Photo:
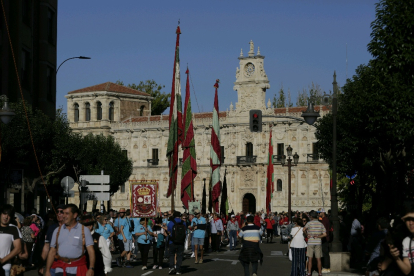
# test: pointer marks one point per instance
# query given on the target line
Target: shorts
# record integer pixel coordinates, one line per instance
(128, 245)
(198, 241)
(317, 249)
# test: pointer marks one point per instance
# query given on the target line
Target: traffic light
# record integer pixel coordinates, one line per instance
(255, 119)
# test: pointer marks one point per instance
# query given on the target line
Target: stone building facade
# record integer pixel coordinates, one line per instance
(245, 153)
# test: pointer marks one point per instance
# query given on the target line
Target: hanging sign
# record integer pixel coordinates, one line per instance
(144, 198)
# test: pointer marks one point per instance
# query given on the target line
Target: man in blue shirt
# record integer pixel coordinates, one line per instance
(175, 248)
(198, 224)
(125, 239)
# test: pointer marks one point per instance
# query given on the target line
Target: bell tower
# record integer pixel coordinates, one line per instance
(251, 81)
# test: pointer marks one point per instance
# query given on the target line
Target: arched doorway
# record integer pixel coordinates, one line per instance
(249, 203)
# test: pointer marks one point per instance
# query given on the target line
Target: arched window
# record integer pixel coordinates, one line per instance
(111, 111)
(87, 112)
(279, 185)
(76, 112)
(141, 110)
(99, 111)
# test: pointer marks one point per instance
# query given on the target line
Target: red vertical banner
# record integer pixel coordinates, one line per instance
(144, 198)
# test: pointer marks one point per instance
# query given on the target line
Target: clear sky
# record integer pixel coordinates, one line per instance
(303, 41)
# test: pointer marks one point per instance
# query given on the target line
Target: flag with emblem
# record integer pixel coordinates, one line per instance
(189, 168)
(175, 120)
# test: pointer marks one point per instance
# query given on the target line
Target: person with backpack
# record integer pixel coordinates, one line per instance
(178, 231)
(103, 258)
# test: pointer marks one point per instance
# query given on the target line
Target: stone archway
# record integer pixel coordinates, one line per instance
(249, 203)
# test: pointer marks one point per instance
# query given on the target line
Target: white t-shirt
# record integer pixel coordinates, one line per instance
(297, 241)
(406, 249)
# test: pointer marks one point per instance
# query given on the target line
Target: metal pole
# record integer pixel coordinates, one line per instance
(172, 199)
(67, 191)
(102, 202)
(336, 243)
(289, 190)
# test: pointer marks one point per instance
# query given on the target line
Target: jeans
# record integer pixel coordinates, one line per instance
(157, 254)
(326, 259)
(246, 266)
(232, 239)
(275, 230)
(215, 242)
(144, 249)
(167, 243)
(176, 249)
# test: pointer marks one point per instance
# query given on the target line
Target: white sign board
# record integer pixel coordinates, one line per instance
(99, 188)
(95, 179)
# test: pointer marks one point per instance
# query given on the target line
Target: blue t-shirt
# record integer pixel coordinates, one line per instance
(143, 239)
(122, 222)
(200, 234)
(136, 222)
(104, 231)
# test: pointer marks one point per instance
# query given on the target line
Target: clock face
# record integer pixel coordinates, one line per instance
(249, 69)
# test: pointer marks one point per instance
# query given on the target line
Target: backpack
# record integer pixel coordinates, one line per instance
(178, 232)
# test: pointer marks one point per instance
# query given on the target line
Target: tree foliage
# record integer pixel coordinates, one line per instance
(161, 99)
(60, 151)
(313, 92)
(375, 121)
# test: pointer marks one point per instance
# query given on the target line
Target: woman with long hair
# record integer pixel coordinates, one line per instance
(298, 248)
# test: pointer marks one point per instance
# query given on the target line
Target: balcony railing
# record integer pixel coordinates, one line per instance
(277, 159)
(245, 160)
(152, 162)
(312, 157)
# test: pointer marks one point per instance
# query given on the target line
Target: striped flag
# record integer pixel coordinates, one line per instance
(215, 153)
(175, 120)
(270, 176)
(189, 169)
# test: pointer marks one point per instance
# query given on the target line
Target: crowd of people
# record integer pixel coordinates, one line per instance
(68, 243)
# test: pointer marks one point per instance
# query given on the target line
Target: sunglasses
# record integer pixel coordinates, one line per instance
(60, 211)
(105, 219)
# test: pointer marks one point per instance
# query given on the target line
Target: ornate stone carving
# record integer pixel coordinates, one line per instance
(293, 138)
(303, 175)
(237, 72)
(144, 145)
(135, 146)
(304, 138)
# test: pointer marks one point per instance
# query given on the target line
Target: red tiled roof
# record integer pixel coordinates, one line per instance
(110, 87)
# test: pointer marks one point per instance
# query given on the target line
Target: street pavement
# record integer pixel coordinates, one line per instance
(224, 262)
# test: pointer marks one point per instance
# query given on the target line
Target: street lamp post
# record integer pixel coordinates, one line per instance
(309, 114)
(79, 57)
(290, 165)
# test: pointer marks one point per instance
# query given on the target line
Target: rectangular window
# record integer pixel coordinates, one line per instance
(315, 153)
(51, 27)
(279, 185)
(49, 84)
(222, 154)
(123, 188)
(249, 149)
(154, 156)
(26, 66)
(280, 151)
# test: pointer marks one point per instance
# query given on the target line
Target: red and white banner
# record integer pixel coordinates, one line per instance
(144, 198)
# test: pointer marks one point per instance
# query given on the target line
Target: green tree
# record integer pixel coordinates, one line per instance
(161, 99)
(302, 99)
(375, 123)
(280, 100)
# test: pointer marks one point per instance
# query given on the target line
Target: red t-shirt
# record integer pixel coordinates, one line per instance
(269, 224)
(257, 221)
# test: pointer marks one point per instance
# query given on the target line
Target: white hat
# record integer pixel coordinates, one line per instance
(232, 216)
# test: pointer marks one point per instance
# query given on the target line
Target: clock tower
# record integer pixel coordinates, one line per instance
(251, 82)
